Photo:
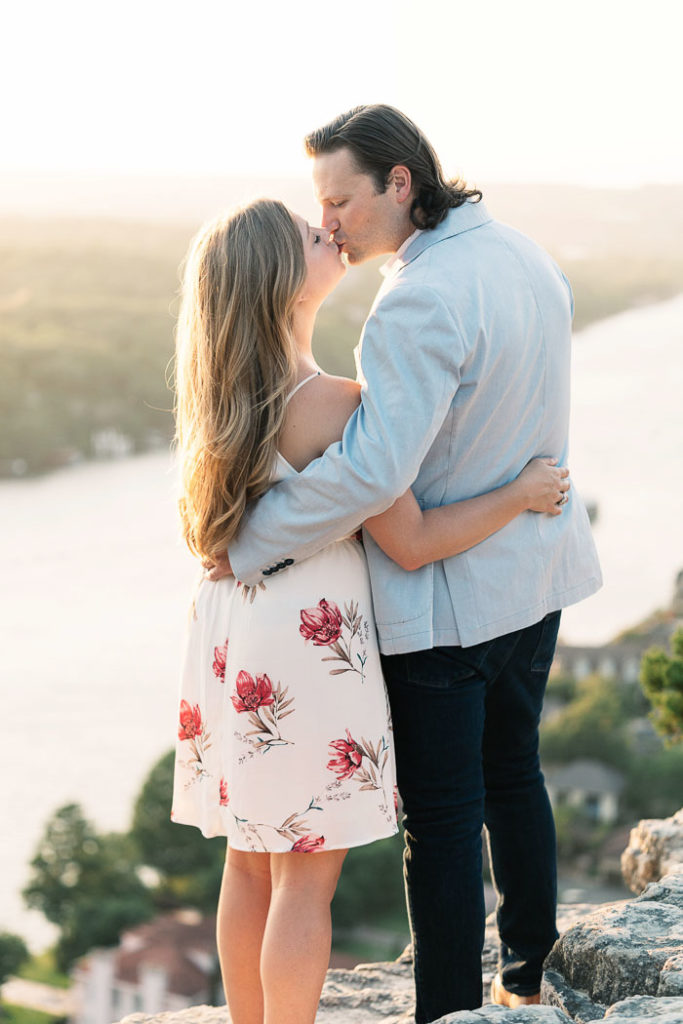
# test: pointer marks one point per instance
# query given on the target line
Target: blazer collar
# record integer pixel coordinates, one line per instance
(462, 218)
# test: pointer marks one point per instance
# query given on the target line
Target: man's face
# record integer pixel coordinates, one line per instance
(363, 222)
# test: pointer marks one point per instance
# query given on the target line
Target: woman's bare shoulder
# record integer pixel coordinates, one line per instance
(316, 417)
(332, 403)
(339, 391)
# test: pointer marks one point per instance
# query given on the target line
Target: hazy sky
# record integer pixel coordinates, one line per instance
(583, 91)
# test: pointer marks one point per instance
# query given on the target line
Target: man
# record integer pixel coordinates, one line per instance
(464, 363)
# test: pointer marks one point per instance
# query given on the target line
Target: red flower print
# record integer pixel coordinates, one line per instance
(252, 694)
(322, 624)
(223, 790)
(190, 721)
(308, 844)
(396, 799)
(219, 656)
(348, 757)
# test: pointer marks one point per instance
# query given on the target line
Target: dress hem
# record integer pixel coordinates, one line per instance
(245, 849)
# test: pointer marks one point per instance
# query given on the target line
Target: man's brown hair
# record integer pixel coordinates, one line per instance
(381, 137)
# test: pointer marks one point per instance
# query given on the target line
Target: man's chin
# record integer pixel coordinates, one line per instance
(352, 258)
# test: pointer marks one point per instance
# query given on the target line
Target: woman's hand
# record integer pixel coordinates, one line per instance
(219, 568)
(544, 486)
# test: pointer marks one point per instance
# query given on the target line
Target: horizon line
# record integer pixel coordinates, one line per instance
(19, 174)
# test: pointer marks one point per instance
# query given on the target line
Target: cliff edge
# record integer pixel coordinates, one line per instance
(619, 962)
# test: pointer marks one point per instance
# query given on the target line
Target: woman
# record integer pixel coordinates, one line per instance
(284, 739)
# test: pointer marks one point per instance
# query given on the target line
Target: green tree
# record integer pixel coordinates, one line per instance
(654, 784)
(593, 725)
(370, 888)
(577, 835)
(85, 883)
(561, 687)
(190, 866)
(661, 677)
(13, 953)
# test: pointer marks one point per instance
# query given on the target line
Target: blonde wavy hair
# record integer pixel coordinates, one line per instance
(234, 365)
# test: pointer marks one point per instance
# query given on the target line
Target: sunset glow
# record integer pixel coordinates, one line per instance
(532, 91)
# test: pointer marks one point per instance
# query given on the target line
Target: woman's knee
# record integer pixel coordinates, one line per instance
(312, 874)
(252, 866)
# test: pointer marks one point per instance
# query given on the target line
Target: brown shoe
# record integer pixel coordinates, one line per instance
(501, 996)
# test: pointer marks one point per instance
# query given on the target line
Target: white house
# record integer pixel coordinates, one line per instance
(621, 658)
(587, 785)
(166, 964)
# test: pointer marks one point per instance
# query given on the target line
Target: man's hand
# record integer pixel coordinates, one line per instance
(218, 568)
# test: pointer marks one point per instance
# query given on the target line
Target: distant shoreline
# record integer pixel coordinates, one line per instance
(66, 457)
(188, 199)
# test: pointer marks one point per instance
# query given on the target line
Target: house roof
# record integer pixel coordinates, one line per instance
(656, 630)
(589, 776)
(182, 944)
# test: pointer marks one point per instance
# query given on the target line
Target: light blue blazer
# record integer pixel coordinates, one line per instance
(464, 363)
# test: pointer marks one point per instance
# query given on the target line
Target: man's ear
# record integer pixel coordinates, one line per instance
(401, 182)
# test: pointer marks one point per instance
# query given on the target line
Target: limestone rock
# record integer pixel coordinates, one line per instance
(667, 890)
(655, 849)
(195, 1015)
(370, 993)
(576, 1004)
(671, 978)
(640, 1009)
(626, 949)
(502, 1015)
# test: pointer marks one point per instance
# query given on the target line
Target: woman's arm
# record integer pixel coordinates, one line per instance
(413, 537)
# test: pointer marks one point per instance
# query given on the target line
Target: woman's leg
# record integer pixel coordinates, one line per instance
(242, 912)
(296, 944)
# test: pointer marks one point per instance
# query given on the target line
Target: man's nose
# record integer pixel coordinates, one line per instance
(330, 221)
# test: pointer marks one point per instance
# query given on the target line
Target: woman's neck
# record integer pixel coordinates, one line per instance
(302, 328)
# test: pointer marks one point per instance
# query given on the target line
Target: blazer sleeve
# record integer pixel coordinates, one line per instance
(410, 358)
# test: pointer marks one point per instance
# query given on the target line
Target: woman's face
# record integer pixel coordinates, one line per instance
(324, 265)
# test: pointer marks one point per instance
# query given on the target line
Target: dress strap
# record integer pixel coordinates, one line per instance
(301, 384)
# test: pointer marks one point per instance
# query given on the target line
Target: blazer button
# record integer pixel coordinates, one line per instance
(266, 572)
(281, 565)
(289, 561)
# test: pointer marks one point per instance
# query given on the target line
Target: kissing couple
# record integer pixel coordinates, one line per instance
(325, 671)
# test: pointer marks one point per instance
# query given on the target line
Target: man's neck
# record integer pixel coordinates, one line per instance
(410, 230)
(387, 267)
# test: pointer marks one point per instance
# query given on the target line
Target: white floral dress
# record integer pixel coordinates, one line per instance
(284, 738)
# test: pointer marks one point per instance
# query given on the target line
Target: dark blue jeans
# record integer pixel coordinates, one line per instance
(466, 733)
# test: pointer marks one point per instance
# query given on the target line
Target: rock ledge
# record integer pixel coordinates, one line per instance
(620, 962)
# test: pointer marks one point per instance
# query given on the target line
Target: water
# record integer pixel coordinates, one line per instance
(96, 585)
(627, 453)
(95, 591)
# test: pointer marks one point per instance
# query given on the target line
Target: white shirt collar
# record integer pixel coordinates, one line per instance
(387, 267)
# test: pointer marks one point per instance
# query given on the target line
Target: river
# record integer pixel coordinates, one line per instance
(96, 584)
